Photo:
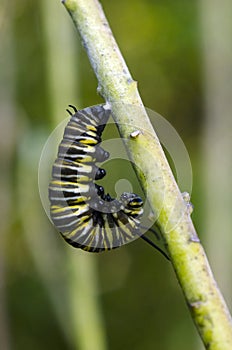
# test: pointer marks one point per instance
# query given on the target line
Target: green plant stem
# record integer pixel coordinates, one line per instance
(116, 85)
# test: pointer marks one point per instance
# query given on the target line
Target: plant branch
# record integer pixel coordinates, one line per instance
(116, 85)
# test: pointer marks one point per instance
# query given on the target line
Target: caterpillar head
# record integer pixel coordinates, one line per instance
(133, 204)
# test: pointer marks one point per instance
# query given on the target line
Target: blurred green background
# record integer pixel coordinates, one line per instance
(51, 295)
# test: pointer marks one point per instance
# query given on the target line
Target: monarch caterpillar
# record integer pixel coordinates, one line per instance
(86, 217)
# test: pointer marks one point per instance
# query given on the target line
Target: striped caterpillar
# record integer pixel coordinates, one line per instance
(86, 217)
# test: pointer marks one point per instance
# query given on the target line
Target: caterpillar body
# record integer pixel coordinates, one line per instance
(86, 217)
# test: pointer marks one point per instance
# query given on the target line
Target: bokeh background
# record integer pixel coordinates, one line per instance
(51, 295)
